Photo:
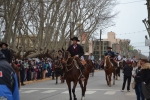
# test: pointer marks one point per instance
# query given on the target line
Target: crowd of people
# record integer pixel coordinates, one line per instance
(31, 69)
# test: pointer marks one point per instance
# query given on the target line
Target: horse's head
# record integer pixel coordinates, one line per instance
(65, 56)
(106, 61)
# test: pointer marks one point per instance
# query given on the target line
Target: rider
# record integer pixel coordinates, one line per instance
(118, 57)
(112, 56)
(91, 57)
(77, 52)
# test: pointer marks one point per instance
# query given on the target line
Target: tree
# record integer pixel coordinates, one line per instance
(36, 28)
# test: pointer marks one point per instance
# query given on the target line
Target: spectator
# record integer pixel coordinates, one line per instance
(124, 59)
(6, 52)
(47, 68)
(44, 68)
(22, 71)
(26, 66)
(39, 71)
(127, 75)
(138, 86)
(145, 78)
(8, 81)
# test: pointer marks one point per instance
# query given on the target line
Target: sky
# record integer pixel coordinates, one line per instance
(129, 25)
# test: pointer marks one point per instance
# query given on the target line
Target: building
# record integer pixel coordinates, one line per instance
(96, 48)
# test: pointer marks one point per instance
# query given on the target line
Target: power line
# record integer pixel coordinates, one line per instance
(132, 2)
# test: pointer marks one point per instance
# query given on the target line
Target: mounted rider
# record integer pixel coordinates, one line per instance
(77, 52)
(111, 54)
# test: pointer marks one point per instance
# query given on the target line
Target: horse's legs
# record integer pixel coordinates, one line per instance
(109, 76)
(73, 90)
(81, 85)
(56, 79)
(85, 83)
(106, 78)
(69, 88)
(114, 74)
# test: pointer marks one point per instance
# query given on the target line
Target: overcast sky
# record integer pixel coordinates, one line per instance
(129, 20)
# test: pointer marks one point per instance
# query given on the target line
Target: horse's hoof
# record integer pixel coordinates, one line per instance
(82, 98)
(75, 98)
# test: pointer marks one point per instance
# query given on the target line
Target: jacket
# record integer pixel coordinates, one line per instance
(127, 70)
(7, 54)
(8, 80)
(137, 78)
(77, 51)
(110, 53)
(145, 73)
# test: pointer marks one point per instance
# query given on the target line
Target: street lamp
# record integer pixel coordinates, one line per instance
(100, 55)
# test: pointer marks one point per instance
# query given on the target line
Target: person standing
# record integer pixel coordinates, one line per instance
(6, 52)
(145, 78)
(127, 75)
(22, 71)
(8, 81)
(138, 85)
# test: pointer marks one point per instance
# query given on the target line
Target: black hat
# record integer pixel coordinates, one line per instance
(109, 47)
(3, 43)
(75, 38)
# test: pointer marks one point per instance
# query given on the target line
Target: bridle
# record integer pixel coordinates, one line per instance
(109, 62)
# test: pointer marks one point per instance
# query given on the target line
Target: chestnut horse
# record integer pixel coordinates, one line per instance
(73, 73)
(109, 69)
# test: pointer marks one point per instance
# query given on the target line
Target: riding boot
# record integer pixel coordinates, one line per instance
(82, 73)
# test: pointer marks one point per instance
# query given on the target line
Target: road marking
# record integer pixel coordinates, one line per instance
(90, 92)
(130, 93)
(43, 88)
(67, 92)
(110, 92)
(49, 91)
(30, 91)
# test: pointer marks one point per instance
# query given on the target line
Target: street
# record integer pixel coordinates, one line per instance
(96, 90)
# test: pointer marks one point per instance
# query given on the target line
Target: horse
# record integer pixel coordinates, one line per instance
(73, 74)
(17, 71)
(109, 69)
(59, 71)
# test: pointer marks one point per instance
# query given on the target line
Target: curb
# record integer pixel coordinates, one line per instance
(40, 80)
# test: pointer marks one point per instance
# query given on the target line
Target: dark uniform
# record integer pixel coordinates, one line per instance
(6, 52)
(112, 56)
(77, 50)
(8, 81)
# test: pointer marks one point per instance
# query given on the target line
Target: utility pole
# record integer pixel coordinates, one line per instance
(100, 45)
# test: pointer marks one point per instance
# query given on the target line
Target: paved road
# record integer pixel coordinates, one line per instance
(96, 90)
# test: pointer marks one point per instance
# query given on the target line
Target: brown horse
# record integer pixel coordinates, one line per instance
(16, 69)
(73, 73)
(109, 69)
(59, 70)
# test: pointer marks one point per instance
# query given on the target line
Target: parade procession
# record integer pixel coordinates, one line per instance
(74, 50)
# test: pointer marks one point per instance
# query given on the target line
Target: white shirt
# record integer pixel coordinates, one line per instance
(119, 57)
(91, 58)
(124, 59)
